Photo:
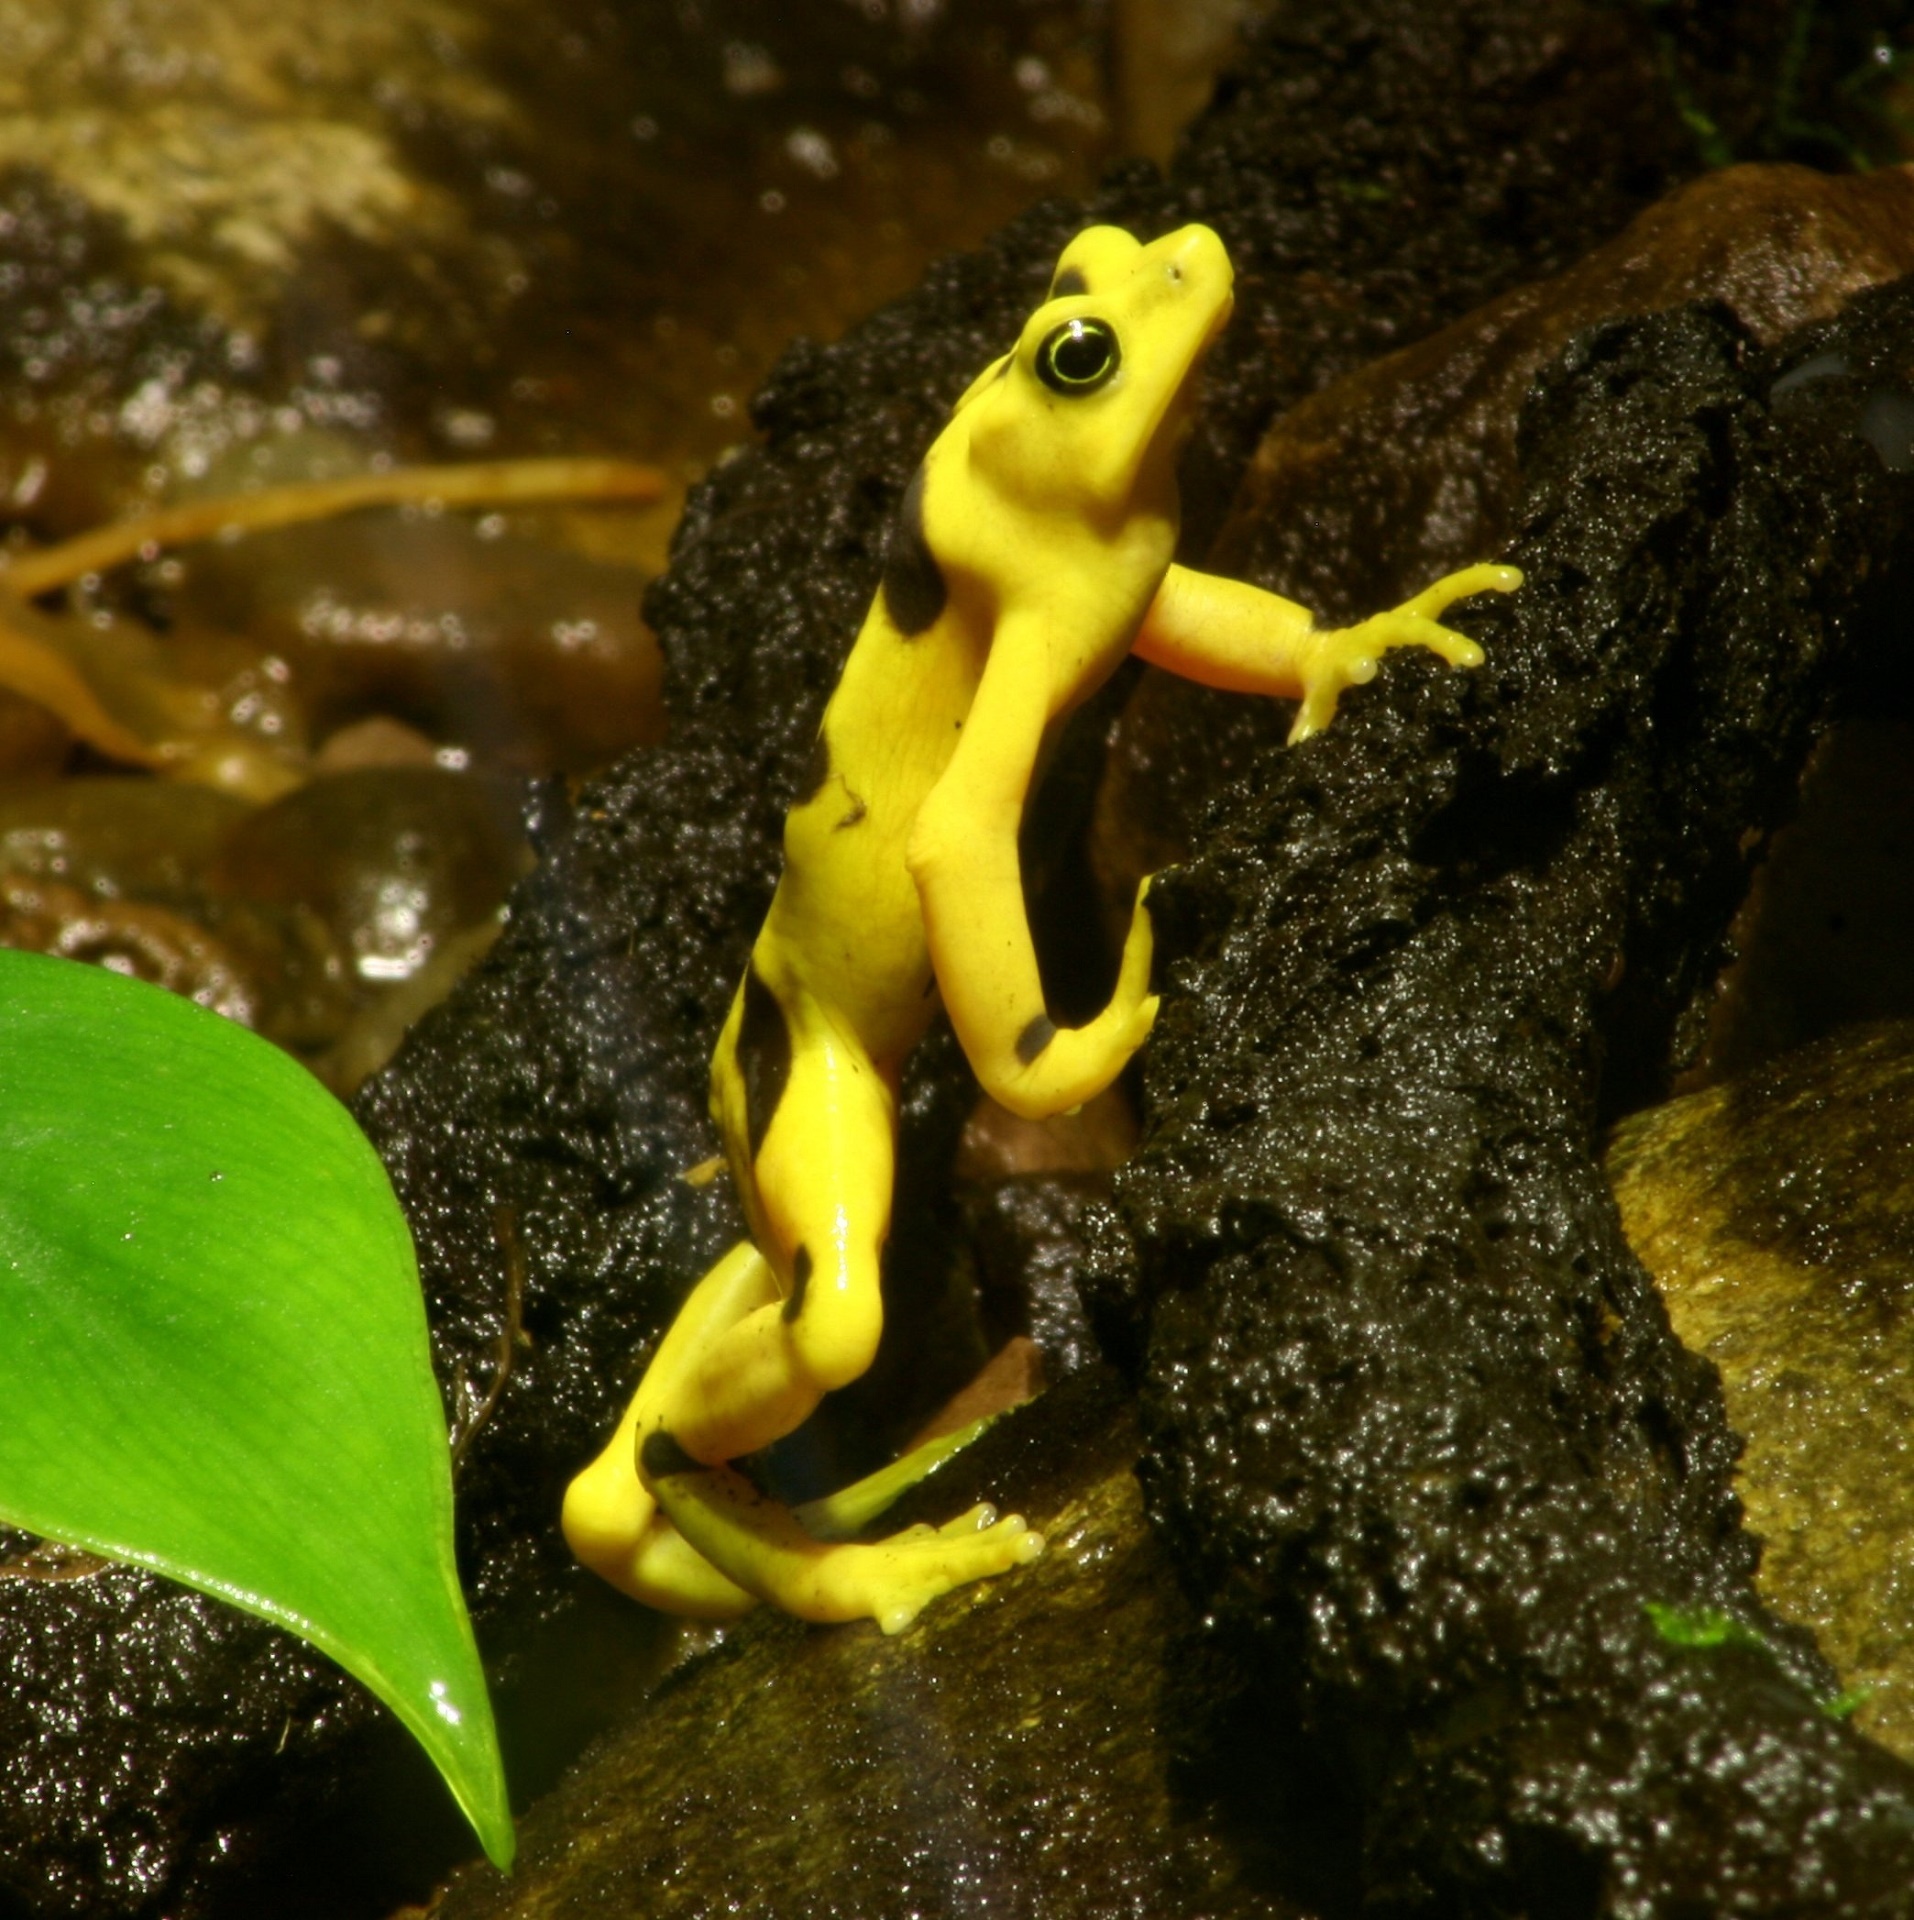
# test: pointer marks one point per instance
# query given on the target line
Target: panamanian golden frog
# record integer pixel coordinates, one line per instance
(1031, 552)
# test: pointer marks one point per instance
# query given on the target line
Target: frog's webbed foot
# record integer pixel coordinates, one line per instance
(1347, 656)
(765, 1548)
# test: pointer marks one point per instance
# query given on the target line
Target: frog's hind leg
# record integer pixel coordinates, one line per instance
(817, 1185)
(845, 1514)
(611, 1521)
(767, 1548)
(821, 1200)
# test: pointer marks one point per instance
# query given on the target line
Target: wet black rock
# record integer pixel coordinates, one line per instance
(119, 1774)
(1029, 1239)
(1414, 1415)
(1382, 481)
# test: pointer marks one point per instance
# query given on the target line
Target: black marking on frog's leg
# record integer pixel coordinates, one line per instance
(1069, 281)
(914, 589)
(858, 811)
(1035, 1037)
(764, 1057)
(661, 1457)
(800, 1284)
(817, 770)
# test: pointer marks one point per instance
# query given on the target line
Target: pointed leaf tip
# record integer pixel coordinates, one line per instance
(213, 1348)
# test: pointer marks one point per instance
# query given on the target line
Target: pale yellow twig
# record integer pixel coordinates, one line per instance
(475, 483)
(45, 676)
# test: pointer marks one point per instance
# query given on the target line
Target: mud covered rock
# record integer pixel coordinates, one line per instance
(1776, 1213)
(570, 1079)
(1414, 1417)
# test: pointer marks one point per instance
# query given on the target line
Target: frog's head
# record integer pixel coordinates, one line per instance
(1086, 413)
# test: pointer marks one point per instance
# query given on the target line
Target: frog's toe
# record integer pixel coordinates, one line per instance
(1456, 648)
(1406, 629)
(1489, 577)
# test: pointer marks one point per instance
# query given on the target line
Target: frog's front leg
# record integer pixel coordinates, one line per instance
(1226, 633)
(963, 855)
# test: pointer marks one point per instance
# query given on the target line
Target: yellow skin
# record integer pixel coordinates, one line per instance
(1032, 553)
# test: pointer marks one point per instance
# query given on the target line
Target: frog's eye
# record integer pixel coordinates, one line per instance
(1078, 357)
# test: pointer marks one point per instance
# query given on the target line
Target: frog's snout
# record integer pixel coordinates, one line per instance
(1195, 261)
(1194, 279)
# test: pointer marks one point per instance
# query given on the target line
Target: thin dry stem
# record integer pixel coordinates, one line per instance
(478, 483)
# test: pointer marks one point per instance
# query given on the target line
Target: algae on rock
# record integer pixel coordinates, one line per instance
(1776, 1213)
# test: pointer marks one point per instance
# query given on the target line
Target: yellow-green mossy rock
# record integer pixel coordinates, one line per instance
(1777, 1213)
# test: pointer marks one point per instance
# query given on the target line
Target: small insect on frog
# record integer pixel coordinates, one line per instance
(1031, 553)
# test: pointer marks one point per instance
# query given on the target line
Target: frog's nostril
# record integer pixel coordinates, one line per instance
(1175, 272)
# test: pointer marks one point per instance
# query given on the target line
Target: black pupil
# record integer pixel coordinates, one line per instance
(1081, 353)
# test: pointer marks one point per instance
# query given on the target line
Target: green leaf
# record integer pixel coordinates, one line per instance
(213, 1352)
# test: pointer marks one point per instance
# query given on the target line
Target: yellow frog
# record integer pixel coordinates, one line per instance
(1031, 552)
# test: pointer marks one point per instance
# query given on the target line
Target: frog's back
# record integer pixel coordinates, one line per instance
(846, 927)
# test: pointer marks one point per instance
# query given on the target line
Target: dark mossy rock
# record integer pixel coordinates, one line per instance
(1776, 1213)
(1378, 170)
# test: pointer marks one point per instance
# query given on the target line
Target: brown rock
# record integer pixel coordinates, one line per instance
(116, 838)
(144, 942)
(518, 651)
(1431, 430)
(394, 860)
(1093, 1138)
(1015, 1751)
(376, 741)
(34, 743)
